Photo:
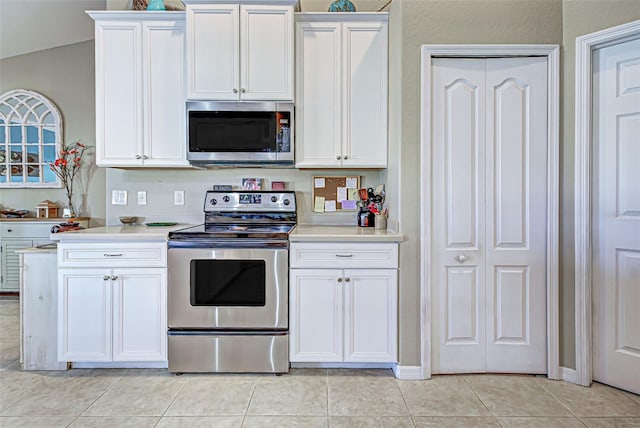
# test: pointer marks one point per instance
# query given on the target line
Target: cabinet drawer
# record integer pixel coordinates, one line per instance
(26, 230)
(343, 255)
(112, 255)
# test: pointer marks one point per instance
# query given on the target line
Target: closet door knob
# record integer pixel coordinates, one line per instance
(461, 258)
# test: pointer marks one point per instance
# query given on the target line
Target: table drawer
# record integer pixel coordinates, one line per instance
(26, 229)
(343, 255)
(112, 255)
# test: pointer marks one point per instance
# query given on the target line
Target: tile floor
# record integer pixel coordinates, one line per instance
(303, 398)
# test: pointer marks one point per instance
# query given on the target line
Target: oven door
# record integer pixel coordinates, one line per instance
(228, 288)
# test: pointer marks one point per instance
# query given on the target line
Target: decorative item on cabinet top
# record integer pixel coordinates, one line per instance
(342, 6)
(168, 5)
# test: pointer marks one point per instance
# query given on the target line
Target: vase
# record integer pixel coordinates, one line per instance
(156, 5)
(68, 211)
(342, 6)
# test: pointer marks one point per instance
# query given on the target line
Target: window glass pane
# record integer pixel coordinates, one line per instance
(3, 131)
(16, 174)
(32, 135)
(15, 154)
(49, 153)
(33, 173)
(48, 136)
(3, 154)
(15, 134)
(48, 175)
(3, 174)
(32, 154)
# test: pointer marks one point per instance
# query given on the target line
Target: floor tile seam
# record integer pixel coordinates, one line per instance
(326, 383)
(404, 399)
(112, 385)
(72, 422)
(253, 391)
(470, 385)
(550, 392)
(184, 384)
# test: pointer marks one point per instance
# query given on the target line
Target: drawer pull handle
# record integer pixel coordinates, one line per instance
(112, 255)
(344, 255)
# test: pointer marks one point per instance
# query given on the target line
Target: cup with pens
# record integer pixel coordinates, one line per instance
(371, 209)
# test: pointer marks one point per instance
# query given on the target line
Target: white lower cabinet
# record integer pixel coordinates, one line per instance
(111, 314)
(342, 315)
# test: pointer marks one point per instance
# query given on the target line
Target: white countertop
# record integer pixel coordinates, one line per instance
(118, 233)
(317, 233)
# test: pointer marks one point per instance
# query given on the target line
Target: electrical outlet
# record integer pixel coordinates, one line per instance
(142, 198)
(178, 197)
(118, 197)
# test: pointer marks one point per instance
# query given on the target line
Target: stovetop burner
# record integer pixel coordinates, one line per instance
(243, 214)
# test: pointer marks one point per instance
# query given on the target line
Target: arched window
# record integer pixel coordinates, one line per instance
(30, 136)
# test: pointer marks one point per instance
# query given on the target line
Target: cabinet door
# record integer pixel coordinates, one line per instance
(213, 52)
(318, 106)
(266, 52)
(315, 319)
(139, 315)
(84, 315)
(10, 263)
(365, 95)
(164, 122)
(370, 320)
(118, 93)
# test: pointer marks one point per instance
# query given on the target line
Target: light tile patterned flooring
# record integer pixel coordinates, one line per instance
(303, 398)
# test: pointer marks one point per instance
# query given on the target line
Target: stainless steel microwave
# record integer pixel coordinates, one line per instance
(240, 133)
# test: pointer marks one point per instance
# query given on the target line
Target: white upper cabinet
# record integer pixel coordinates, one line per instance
(341, 90)
(140, 96)
(239, 52)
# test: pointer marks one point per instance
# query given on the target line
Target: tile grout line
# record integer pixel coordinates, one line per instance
(246, 410)
(184, 384)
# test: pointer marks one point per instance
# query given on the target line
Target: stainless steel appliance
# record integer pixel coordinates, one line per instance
(228, 285)
(240, 133)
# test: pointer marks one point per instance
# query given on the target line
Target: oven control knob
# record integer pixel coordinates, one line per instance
(274, 199)
(286, 202)
(225, 198)
(213, 201)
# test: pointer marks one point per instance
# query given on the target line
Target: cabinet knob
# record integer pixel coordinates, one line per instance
(138, 157)
(461, 258)
(345, 157)
(145, 157)
(339, 279)
(235, 91)
(347, 280)
(243, 90)
(114, 277)
(338, 157)
(106, 277)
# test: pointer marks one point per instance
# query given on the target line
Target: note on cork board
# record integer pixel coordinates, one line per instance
(332, 193)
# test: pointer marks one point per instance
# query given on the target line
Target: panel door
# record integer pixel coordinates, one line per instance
(489, 165)
(370, 315)
(84, 315)
(139, 314)
(119, 104)
(364, 87)
(10, 263)
(213, 50)
(266, 52)
(616, 216)
(164, 95)
(315, 315)
(318, 95)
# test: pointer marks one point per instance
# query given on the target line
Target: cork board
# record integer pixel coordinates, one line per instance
(334, 193)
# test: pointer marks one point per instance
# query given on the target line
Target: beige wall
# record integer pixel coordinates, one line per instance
(66, 76)
(580, 17)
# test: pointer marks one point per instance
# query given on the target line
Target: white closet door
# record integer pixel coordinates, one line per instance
(516, 209)
(458, 145)
(616, 216)
(489, 216)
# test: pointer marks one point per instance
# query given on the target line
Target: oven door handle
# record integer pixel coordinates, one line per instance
(222, 243)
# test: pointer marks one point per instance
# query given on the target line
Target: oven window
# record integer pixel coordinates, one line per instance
(228, 282)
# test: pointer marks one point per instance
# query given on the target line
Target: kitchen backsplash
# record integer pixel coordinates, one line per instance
(160, 185)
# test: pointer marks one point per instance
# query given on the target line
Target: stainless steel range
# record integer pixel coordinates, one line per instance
(228, 285)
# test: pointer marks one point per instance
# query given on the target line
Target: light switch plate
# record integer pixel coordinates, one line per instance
(178, 197)
(142, 198)
(118, 197)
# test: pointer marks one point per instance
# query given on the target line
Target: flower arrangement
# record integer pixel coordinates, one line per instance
(67, 166)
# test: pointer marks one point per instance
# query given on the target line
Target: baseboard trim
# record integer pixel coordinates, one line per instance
(408, 372)
(568, 375)
(309, 365)
(122, 365)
